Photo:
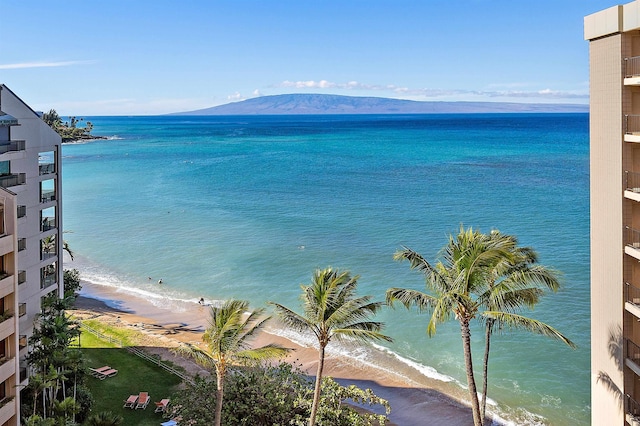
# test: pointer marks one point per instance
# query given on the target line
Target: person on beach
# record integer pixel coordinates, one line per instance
(160, 281)
(201, 301)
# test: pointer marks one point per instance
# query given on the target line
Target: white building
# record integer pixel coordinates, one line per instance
(30, 237)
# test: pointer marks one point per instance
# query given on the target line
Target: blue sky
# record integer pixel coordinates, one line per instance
(135, 57)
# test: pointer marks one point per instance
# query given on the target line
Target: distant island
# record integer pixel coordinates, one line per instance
(335, 104)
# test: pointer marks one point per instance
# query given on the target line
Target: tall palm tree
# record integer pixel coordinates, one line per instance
(515, 283)
(332, 310)
(453, 281)
(227, 340)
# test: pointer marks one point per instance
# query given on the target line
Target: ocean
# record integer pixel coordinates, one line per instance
(249, 206)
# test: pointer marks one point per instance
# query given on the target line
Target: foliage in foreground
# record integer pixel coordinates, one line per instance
(275, 395)
(332, 311)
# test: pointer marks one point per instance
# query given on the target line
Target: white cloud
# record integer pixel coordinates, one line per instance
(235, 97)
(24, 65)
(429, 93)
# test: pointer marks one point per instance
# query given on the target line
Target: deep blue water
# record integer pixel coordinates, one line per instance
(248, 207)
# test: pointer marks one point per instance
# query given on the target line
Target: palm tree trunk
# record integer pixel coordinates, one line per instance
(473, 393)
(316, 392)
(219, 393)
(485, 366)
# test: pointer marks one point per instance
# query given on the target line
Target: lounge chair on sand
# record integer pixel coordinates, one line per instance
(162, 405)
(95, 372)
(131, 401)
(143, 400)
(107, 373)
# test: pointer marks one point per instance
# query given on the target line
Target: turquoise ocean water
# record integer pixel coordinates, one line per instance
(248, 207)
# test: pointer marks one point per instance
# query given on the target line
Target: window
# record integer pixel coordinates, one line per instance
(5, 168)
(22, 309)
(46, 162)
(22, 341)
(47, 219)
(47, 190)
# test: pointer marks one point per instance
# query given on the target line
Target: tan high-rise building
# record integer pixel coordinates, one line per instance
(614, 53)
(30, 237)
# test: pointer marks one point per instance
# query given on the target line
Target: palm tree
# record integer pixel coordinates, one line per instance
(332, 310)
(104, 418)
(227, 337)
(453, 281)
(513, 284)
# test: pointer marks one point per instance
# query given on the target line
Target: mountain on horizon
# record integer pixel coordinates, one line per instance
(293, 104)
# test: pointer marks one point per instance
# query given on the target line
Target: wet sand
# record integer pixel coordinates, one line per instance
(414, 399)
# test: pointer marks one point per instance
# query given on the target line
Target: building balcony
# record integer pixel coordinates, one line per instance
(47, 169)
(632, 410)
(6, 244)
(632, 299)
(7, 409)
(7, 325)
(632, 128)
(48, 281)
(47, 223)
(632, 71)
(632, 242)
(6, 284)
(7, 368)
(11, 146)
(632, 356)
(48, 196)
(7, 181)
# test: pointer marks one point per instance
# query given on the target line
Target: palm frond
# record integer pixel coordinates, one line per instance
(409, 298)
(528, 324)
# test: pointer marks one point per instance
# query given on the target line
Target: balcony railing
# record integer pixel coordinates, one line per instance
(46, 169)
(48, 223)
(12, 146)
(632, 294)
(46, 254)
(47, 281)
(8, 181)
(632, 406)
(632, 124)
(48, 196)
(632, 67)
(632, 181)
(22, 211)
(632, 237)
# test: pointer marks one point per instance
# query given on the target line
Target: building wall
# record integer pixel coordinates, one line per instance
(39, 139)
(606, 124)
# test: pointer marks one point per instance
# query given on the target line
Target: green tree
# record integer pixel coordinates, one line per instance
(331, 310)
(72, 284)
(227, 340)
(479, 276)
(511, 285)
(275, 395)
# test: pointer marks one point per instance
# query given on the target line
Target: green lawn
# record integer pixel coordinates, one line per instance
(135, 375)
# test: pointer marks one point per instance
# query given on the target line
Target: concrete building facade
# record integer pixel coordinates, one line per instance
(30, 238)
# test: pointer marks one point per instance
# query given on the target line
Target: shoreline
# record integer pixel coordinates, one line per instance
(414, 398)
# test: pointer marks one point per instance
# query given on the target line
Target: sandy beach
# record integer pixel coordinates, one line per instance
(413, 402)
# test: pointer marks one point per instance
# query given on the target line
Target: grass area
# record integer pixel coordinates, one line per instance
(135, 375)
